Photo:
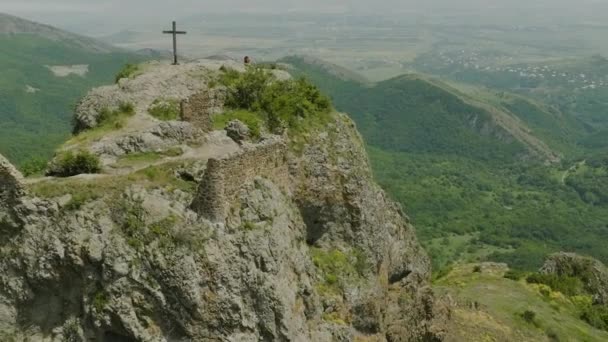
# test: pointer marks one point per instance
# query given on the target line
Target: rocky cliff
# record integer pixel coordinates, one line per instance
(591, 272)
(306, 247)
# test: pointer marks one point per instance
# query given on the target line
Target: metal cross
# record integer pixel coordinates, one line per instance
(174, 32)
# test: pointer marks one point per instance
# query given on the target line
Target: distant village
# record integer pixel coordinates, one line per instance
(495, 63)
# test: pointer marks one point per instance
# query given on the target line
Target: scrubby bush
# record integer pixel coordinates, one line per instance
(278, 103)
(127, 71)
(529, 316)
(33, 166)
(514, 275)
(246, 89)
(165, 110)
(115, 118)
(570, 286)
(596, 315)
(292, 101)
(71, 164)
(126, 108)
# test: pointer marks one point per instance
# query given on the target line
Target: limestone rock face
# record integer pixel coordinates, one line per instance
(158, 137)
(592, 272)
(11, 188)
(304, 247)
(156, 82)
(10, 181)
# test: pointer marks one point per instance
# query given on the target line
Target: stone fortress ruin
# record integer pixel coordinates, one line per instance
(199, 108)
(224, 177)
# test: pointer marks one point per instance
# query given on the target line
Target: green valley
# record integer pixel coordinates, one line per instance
(476, 169)
(44, 73)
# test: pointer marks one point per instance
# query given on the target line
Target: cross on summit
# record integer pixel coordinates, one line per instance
(174, 32)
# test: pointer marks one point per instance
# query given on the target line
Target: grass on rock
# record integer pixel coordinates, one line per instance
(165, 109)
(128, 71)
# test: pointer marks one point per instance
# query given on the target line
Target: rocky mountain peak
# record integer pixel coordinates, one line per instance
(181, 230)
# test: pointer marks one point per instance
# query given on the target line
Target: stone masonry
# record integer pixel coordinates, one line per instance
(224, 177)
(199, 108)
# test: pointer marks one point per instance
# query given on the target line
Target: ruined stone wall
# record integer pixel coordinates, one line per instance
(199, 108)
(10, 182)
(224, 177)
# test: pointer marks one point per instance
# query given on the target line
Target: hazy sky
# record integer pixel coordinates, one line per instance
(104, 15)
(184, 6)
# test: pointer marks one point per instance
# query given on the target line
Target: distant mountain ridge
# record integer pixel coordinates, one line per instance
(11, 25)
(413, 113)
(44, 72)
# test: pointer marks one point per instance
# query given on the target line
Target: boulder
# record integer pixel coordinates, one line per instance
(238, 131)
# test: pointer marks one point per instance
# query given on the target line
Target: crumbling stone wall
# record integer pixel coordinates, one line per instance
(224, 177)
(199, 108)
(10, 182)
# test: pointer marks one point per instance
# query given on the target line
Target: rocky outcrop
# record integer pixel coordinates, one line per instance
(591, 271)
(158, 137)
(155, 82)
(11, 189)
(286, 239)
(344, 209)
(10, 181)
(238, 131)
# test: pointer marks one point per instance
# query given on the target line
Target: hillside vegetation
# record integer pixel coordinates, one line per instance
(492, 306)
(36, 104)
(473, 190)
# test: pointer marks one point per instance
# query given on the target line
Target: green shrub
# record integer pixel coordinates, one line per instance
(126, 108)
(596, 315)
(100, 300)
(514, 275)
(246, 89)
(128, 71)
(291, 102)
(80, 198)
(567, 285)
(529, 316)
(34, 166)
(164, 226)
(338, 268)
(72, 164)
(288, 103)
(248, 225)
(166, 110)
(115, 118)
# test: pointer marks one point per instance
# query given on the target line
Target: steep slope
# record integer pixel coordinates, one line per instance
(469, 166)
(195, 233)
(573, 89)
(44, 72)
(414, 114)
(490, 307)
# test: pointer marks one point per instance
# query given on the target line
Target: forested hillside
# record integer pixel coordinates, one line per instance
(44, 73)
(472, 192)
